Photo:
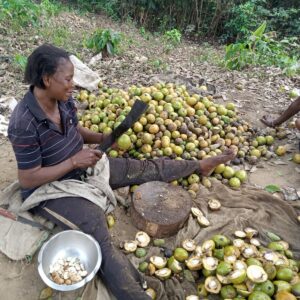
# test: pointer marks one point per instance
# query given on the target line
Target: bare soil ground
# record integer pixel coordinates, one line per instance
(256, 92)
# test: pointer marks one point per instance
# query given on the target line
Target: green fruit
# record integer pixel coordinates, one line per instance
(234, 182)
(151, 293)
(285, 274)
(208, 273)
(281, 285)
(113, 153)
(283, 295)
(140, 252)
(181, 254)
(202, 120)
(266, 287)
(193, 178)
(174, 265)
(280, 150)
(190, 146)
(294, 93)
(124, 142)
(241, 175)
(296, 289)
(95, 119)
(228, 172)
(224, 268)
(270, 270)
(296, 158)
(222, 110)
(159, 242)
(221, 240)
(237, 276)
(253, 261)
(242, 290)
(158, 96)
(230, 106)
(107, 130)
(94, 128)
(137, 127)
(255, 152)
(256, 295)
(276, 246)
(269, 140)
(261, 140)
(143, 266)
(201, 290)
(219, 169)
(219, 253)
(228, 292)
(146, 97)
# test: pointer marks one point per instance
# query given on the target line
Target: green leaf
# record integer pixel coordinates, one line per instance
(260, 30)
(272, 188)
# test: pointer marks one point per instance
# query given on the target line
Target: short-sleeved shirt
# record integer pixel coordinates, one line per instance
(37, 141)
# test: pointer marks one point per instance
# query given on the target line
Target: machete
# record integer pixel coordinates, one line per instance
(138, 108)
(8, 214)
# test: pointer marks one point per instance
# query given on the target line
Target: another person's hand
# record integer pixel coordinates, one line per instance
(268, 120)
(86, 158)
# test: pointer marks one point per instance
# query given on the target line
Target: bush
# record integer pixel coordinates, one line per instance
(262, 48)
(173, 37)
(105, 41)
(21, 13)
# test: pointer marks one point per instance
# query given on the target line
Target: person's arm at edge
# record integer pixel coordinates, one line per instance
(293, 109)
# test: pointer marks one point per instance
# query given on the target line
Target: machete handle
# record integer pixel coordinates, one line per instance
(7, 214)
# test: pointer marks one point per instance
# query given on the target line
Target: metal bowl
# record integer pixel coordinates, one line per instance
(69, 243)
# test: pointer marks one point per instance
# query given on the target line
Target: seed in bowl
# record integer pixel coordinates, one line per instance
(67, 270)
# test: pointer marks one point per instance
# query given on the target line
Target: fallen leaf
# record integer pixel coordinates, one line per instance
(272, 188)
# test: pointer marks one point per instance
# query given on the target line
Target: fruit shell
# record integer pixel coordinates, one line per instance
(163, 274)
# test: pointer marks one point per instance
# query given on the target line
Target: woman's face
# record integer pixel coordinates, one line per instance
(60, 85)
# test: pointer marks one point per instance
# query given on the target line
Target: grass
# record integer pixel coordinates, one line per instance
(209, 54)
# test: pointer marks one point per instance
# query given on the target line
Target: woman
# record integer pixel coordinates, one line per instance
(48, 145)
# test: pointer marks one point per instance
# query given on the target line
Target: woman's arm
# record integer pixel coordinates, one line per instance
(34, 177)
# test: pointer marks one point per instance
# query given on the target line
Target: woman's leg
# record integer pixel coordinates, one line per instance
(126, 171)
(116, 271)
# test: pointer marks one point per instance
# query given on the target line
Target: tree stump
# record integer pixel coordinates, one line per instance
(160, 208)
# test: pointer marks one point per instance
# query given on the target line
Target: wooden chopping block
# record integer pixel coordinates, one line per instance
(160, 208)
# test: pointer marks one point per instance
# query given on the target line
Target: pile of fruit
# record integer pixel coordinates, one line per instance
(238, 268)
(178, 125)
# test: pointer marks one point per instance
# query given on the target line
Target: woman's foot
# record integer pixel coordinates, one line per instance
(268, 121)
(207, 165)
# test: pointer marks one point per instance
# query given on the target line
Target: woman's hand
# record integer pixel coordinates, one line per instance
(86, 158)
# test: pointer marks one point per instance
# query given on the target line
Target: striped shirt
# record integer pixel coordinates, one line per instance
(37, 141)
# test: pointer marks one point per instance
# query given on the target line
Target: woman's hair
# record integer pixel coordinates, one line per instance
(44, 60)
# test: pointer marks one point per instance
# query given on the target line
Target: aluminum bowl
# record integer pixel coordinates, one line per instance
(69, 243)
